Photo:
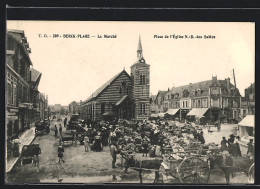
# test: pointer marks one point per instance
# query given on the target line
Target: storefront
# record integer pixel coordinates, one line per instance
(172, 113)
(196, 114)
(12, 123)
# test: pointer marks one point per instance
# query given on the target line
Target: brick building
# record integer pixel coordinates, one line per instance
(21, 84)
(124, 96)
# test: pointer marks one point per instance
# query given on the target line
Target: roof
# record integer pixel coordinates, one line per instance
(35, 75)
(104, 86)
(248, 121)
(18, 36)
(121, 100)
(204, 87)
(162, 93)
(198, 112)
(172, 111)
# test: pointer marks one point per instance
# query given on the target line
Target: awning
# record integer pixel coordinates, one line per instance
(198, 112)
(11, 118)
(161, 114)
(121, 100)
(172, 111)
(248, 121)
(109, 114)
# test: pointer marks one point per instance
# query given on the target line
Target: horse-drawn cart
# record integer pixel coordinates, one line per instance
(42, 127)
(188, 166)
(27, 153)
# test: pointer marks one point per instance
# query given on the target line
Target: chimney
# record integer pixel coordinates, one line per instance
(228, 84)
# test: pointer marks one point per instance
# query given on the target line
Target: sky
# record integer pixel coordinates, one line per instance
(73, 68)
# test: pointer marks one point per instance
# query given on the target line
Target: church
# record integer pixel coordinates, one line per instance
(124, 96)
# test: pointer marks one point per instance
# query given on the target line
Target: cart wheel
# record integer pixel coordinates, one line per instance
(193, 171)
(251, 172)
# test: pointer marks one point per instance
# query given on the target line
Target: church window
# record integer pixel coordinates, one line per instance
(142, 109)
(142, 79)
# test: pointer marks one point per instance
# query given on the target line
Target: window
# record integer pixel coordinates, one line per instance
(183, 104)
(102, 108)
(204, 103)
(142, 79)
(185, 93)
(186, 104)
(9, 93)
(172, 96)
(120, 90)
(142, 109)
(198, 103)
(14, 95)
(194, 104)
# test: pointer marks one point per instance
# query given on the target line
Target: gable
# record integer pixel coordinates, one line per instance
(111, 92)
(110, 82)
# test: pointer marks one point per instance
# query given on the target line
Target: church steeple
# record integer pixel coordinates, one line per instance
(139, 49)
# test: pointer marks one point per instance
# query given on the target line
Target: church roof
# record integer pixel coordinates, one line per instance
(139, 48)
(104, 86)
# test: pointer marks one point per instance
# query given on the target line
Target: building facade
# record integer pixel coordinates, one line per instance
(124, 96)
(220, 98)
(21, 84)
(248, 102)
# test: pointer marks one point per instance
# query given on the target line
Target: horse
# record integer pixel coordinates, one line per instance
(230, 164)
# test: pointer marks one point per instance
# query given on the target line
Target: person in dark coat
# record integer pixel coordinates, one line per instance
(60, 130)
(97, 146)
(223, 144)
(113, 152)
(145, 146)
(36, 152)
(152, 137)
(201, 138)
(231, 139)
(250, 150)
(60, 153)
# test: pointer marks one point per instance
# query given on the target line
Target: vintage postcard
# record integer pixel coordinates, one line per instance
(130, 102)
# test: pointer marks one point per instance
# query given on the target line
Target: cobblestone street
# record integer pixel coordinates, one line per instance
(85, 167)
